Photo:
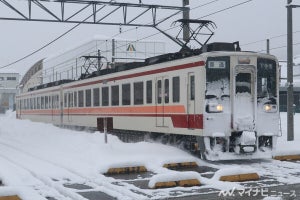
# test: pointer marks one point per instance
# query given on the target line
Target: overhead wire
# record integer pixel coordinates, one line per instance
(51, 42)
(71, 29)
(149, 36)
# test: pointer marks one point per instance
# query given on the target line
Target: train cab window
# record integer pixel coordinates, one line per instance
(105, 96)
(80, 98)
(138, 93)
(176, 89)
(159, 92)
(115, 95)
(266, 78)
(243, 83)
(75, 99)
(70, 98)
(126, 94)
(192, 88)
(96, 97)
(149, 92)
(167, 91)
(88, 98)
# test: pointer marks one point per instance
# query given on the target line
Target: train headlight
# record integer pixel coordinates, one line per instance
(214, 108)
(270, 108)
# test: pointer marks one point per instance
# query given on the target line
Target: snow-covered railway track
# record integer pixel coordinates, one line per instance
(43, 183)
(56, 177)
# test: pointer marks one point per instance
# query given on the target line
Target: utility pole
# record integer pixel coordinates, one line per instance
(268, 46)
(290, 93)
(186, 15)
(113, 53)
(99, 60)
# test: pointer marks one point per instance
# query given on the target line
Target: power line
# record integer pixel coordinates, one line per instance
(262, 40)
(233, 6)
(280, 47)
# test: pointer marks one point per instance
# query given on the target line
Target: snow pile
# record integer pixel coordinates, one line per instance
(228, 171)
(22, 192)
(173, 176)
(85, 153)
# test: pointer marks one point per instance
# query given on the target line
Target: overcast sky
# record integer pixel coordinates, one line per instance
(253, 21)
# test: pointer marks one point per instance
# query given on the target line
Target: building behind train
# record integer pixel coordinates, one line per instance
(9, 87)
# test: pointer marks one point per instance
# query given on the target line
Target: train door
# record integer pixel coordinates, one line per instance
(244, 98)
(191, 100)
(162, 99)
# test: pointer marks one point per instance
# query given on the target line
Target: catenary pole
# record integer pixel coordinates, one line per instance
(186, 15)
(290, 95)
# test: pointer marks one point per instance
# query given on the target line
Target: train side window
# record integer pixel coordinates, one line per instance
(96, 97)
(159, 92)
(49, 102)
(65, 100)
(75, 99)
(80, 98)
(34, 103)
(38, 103)
(149, 91)
(88, 98)
(138, 94)
(105, 94)
(126, 94)
(43, 103)
(57, 101)
(54, 101)
(30, 103)
(115, 95)
(176, 89)
(167, 91)
(46, 102)
(192, 88)
(70, 98)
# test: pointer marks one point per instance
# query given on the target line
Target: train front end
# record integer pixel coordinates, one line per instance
(241, 114)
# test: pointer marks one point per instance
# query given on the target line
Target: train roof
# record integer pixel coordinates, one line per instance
(118, 67)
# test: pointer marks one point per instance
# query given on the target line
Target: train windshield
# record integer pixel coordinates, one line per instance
(266, 78)
(217, 77)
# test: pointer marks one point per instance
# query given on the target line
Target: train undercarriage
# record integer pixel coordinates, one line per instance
(244, 145)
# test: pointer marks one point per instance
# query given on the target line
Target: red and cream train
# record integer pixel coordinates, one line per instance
(221, 103)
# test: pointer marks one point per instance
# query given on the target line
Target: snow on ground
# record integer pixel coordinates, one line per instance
(32, 155)
(285, 147)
